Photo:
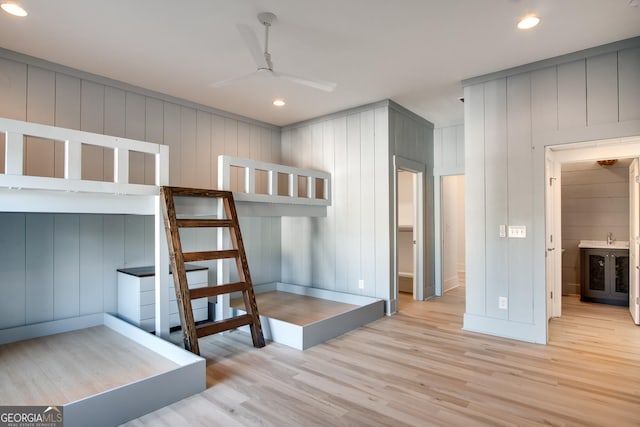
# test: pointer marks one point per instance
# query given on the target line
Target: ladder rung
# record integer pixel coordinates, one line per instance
(197, 192)
(223, 325)
(208, 255)
(191, 223)
(212, 291)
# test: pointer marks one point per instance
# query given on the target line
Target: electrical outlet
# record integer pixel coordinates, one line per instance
(502, 230)
(360, 284)
(502, 303)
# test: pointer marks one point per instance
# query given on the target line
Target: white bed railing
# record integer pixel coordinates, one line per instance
(15, 132)
(272, 171)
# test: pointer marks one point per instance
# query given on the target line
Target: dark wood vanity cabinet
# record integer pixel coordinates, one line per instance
(605, 276)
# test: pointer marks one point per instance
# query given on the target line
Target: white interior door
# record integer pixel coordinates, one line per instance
(634, 240)
(553, 244)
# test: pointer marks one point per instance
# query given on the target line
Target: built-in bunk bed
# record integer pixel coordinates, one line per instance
(98, 368)
(291, 314)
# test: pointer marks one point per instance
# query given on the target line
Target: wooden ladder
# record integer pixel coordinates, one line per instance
(184, 295)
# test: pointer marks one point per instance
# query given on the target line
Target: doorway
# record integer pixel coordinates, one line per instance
(572, 154)
(408, 226)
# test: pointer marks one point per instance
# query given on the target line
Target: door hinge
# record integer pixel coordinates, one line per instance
(551, 179)
(551, 294)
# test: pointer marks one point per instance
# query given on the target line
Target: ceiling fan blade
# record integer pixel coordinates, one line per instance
(316, 84)
(252, 43)
(232, 80)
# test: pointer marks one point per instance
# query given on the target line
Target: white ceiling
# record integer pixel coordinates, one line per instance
(415, 52)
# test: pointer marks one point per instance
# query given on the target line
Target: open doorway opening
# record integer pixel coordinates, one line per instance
(592, 221)
(408, 265)
(406, 239)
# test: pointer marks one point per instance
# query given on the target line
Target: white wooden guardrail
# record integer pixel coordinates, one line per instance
(272, 170)
(15, 132)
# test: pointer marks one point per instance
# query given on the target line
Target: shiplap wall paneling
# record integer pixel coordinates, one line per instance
(382, 204)
(572, 95)
(341, 200)
(39, 252)
(475, 220)
(135, 124)
(91, 236)
(496, 195)
(92, 117)
(67, 113)
(629, 84)
(368, 204)
(602, 89)
(172, 132)
(13, 268)
(354, 184)
(203, 151)
(66, 266)
(39, 156)
(520, 203)
(113, 253)
(327, 226)
(154, 132)
(13, 102)
(115, 123)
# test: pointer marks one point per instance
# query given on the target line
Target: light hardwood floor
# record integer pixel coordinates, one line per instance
(62, 368)
(419, 368)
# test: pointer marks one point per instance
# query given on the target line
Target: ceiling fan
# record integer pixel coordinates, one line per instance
(263, 59)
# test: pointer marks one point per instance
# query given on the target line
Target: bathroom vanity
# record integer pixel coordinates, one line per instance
(604, 274)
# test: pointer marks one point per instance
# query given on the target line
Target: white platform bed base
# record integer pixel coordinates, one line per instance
(128, 401)
(365, 309)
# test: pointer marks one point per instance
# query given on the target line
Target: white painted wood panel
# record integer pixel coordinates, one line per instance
(629, 84)
(475, 220)
(13, 102)
(115, 123)
(341, 200)
(382, 204)
(13, 267)
(188, 147)
(66, 266)
(243, 150)
(91, 235)
(544, 100)
(172, 139)
(92, 105)
(354, 186)
(520, 202)
(217, 146)
(67, 113)
(367, 205)
(134, 238)
(113, 253)
(572, 95)
(328, 266)
(496, 195)
(135, 113)
(154, 132)
(38, 267)
(39, 153)
(231, 147)
(602, 89)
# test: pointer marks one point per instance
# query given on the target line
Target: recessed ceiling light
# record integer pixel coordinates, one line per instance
(13, 9)
(279, 102)
(528, 21)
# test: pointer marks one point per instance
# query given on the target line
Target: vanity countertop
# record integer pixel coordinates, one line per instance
(602, 244)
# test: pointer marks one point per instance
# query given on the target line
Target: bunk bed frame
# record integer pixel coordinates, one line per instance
(72, 194)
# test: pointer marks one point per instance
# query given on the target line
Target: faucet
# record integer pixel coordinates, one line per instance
(610, 238)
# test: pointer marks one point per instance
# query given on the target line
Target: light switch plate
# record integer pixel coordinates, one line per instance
(502, 230)
(517, 231)
(503, 303)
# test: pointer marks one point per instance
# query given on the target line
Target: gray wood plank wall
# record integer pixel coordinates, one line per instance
(509, 121)
(56, 266)
(354, 241)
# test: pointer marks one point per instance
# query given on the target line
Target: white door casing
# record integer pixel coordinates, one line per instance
(634, 240)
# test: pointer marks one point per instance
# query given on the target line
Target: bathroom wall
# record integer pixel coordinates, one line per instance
(595, 201)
